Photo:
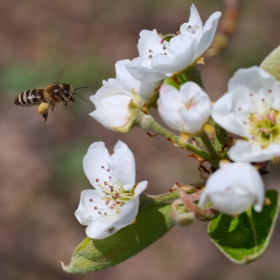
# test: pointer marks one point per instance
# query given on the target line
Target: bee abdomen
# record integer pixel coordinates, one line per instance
(30, 97)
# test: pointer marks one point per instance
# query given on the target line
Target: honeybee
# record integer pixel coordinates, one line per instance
(48, 97)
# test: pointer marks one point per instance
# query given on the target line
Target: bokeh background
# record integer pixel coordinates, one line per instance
(41, 174)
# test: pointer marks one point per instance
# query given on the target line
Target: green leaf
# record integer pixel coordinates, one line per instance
(271, 64)
(152, 222)
(245, 238)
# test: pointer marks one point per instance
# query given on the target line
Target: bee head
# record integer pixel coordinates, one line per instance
(68, 92)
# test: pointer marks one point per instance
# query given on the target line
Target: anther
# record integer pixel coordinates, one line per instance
(91, 200)
(95, 208)
(150, 56)
(97, 180)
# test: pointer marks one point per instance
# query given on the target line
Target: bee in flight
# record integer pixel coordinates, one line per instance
(47, 97)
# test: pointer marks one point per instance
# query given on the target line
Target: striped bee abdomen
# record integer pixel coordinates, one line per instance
(30, 97)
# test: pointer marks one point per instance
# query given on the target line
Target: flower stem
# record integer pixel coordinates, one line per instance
(209, 146)
(192, 189)
(148, 122)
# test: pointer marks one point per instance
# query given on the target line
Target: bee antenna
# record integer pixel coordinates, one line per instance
(79, 88)
(79, 96)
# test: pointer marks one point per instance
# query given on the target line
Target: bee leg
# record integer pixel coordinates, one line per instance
(52, 104)
(43, 110)
(45, 116)
(65, 103)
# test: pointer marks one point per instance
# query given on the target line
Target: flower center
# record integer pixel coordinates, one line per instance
(194, 31)
(265, 128)
(190, 103)
(162, 48)
(115, 197)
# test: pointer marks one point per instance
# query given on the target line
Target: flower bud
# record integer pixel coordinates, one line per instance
(233, 188)
(185, 110)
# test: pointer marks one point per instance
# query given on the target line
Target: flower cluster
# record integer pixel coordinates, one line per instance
(160, 76)
(159, 58)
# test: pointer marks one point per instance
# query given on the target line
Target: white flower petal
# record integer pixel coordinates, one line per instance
(140, 187)
(253, 79)
(224, 200)
(251, 183)
(275, 96)
(149, 43)
(102, 227)
(107, 91)
(115, 112)
(141, 70)
(183, 54)
(251, 152)
(231, 193)
(124, 165)
(169, 105)
(96, 157)
(171, 117)
(124, 77)
(224, 113)
(170, 97)
(86, 213)
(194, 20)
(208, 34)
(128, 213)
(186, 110)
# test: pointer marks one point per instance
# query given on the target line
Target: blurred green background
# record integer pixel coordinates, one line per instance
(41, 174)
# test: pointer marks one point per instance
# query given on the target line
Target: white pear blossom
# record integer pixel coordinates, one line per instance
(185, 110)
(113, 204)
(116, 100)
(233, 188)
(159, 59)
(250, 109)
